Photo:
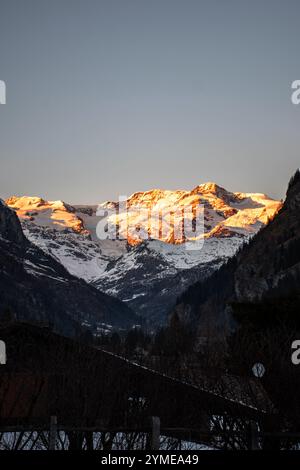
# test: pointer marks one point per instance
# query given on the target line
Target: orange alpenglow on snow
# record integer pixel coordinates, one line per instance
(156, 213)
(225, 213)
(46, 213)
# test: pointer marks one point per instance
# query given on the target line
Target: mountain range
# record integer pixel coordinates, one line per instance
(147, 273)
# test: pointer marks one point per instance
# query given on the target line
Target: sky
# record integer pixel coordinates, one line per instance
(109, 97)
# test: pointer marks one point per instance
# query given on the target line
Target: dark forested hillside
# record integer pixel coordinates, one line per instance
(267, 268)
(258, 294)
(270, 266)
(35, 287)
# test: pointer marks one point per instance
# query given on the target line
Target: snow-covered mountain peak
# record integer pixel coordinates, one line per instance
(210, 187)
(225, 213)
(55, 214)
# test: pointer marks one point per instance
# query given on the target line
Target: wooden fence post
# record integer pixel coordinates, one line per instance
(155, 433)
(254, 441)
(53, 432)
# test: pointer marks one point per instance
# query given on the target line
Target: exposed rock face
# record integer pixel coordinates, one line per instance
(10, 227)
(35, 287)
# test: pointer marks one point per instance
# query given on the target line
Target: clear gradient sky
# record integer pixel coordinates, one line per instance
(108, 97)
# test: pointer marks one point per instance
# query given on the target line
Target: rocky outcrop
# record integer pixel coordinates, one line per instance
(10, 227)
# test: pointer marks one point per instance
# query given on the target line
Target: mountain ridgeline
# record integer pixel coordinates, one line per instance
(149, 272)
(35, 287)
(265, 270)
